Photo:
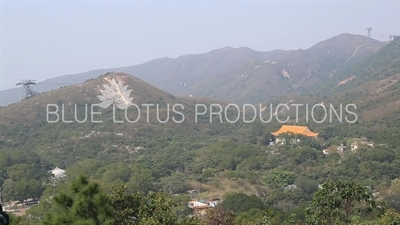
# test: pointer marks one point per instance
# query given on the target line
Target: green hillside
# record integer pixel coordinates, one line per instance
(259, 182)
(25, 125)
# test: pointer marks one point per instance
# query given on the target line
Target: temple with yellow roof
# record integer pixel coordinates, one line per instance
(302, 130)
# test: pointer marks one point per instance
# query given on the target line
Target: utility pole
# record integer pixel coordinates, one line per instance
(27, 91)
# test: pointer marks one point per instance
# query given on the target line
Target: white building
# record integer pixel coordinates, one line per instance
(57, 173)
(214, 202)
(194, 204)
(341, 148)
(394, 37)
(355, 145)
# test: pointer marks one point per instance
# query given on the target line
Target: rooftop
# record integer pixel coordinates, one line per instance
(303, 130)
(57, 172)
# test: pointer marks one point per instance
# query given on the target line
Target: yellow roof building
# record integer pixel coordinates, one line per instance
(303, 130)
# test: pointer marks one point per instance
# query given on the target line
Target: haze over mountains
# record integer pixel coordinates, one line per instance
(373, 87)
(239, 75)
(372, 79)
(376, 82)
(216, 158)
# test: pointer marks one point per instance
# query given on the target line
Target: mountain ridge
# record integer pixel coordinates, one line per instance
(190, 74)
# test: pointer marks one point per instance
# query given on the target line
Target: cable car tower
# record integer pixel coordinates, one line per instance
(27, 91)
(369, 37)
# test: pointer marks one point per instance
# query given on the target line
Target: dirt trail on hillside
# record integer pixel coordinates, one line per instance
(355, 51)
(309, 74)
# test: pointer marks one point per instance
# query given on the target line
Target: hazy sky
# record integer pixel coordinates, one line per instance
(44, 39)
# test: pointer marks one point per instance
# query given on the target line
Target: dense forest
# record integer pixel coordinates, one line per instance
(256, 180)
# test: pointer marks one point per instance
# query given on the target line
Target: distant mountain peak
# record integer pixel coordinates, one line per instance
(229, 48)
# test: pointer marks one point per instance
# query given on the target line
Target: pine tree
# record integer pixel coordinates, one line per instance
(86, 204)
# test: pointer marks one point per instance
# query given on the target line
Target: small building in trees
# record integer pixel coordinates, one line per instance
(327, 151)
(57, 173)
(341, 148)
(394, 37)
(198, 208)
(295, 130)
(357, 144)
(290, 187)
(214, 201)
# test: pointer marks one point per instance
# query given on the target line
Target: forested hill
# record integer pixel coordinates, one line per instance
(59, 124)
(260, 181)
(371, 85)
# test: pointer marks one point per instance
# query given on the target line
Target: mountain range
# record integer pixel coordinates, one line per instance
(371, 84)
(86, 127)
(239, 75)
